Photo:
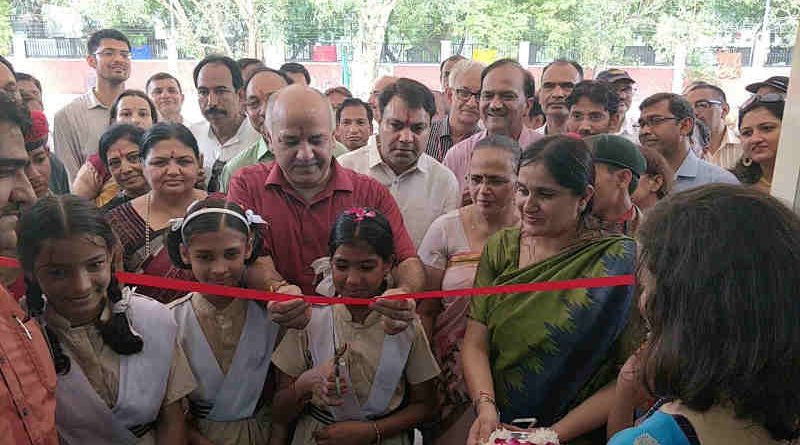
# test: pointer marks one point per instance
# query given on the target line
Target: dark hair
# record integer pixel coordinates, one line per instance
(450, 59)
(61, 217)
(751, 174)
(134, 93)
(244, 62)
(599, 93)
(504, 143)
(536, 109)
(164, 131)
(23, 77)
(340, 89)
(724, 320)
(657, 165)
(567, 159)
(413, 93)
(236, 72)
(528, 84)
(363, 224)
(707, 86)
(678, 105)
(209, 223)
(294, 67)
(14, 113)
(162, 76)
(265, 69)
(8, 65)
(111, 34)
(116, 132)
(574, 64)
(354, 102)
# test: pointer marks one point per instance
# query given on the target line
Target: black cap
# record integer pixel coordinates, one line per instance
(612, 75)
(778, 82)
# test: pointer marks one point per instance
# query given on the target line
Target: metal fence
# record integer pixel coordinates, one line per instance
(745, 51)
(410, 53)
(75, 48)
(543, 54)
(780, 56)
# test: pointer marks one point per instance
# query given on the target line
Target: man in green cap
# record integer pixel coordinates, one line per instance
(618, 163)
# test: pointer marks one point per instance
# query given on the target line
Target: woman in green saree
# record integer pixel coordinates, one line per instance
(541, 354)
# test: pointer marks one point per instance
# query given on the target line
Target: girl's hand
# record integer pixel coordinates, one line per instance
(484, 425)
(323, 384)
(294, 314)
(397, 314)
(346, 433)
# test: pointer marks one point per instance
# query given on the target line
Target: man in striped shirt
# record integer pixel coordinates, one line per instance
(711, 106)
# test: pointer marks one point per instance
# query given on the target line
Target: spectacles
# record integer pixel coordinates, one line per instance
(653, 121)
(704, 104)
(109, 53)
(466, 94)
(769, 98)
(490, 181)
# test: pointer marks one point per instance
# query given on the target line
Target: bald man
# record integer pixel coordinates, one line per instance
(377, 89)
(303, 191)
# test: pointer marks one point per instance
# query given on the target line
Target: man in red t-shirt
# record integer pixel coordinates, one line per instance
(301, 194)
(27, 375)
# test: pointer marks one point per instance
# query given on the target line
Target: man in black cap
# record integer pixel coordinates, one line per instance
(623, 84)
(618, 164)
(775, 84)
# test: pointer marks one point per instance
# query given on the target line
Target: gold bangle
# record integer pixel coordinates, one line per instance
(378, 435)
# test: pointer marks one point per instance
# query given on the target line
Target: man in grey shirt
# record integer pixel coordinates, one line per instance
(665, 124)
(78, 126)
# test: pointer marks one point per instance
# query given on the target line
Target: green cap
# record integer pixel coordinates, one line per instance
(620, 152)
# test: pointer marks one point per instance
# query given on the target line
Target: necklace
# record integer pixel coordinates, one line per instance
(147, 227)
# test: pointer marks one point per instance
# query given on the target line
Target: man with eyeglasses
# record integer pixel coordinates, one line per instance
(462, 121)
(225, 132)
(623, 84)
(593, 109)
(711, 106)
(559, 77)
(507, 91)
(78, 126)
(666, 124)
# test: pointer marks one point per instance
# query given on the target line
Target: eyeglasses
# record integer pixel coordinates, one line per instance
(769, 98)
(653, 121)
(466, 94)
(109, 53)
(704, 104)
(489, 180)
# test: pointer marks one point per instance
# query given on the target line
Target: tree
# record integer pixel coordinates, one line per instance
(5, 26)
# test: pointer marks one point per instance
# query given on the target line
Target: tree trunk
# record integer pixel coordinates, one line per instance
(368, 44)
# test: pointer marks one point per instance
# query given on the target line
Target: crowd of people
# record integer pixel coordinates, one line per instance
(499, 179)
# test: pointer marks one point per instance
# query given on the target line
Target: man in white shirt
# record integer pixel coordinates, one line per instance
(226, 131)
(423, 188)
(78, 126)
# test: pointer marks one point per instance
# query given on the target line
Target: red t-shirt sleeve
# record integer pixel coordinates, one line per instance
(403, 246)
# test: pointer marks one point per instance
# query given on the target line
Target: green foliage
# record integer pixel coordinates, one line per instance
(5, 26)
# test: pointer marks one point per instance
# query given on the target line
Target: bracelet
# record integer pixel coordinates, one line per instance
(484, 397)
(378, 435)
(275, 286)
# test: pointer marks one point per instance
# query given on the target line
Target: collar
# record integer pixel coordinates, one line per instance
(235, 138)
(689, 167)
(628, 215)
(234, 308)
(262, 149)
(338, 180)
(94, 102)
(374, 159)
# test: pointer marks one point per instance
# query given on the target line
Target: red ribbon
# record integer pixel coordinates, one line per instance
(252, 294)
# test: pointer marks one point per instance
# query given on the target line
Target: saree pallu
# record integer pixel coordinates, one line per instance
(549, 351)
(448, 337)
(130, 228)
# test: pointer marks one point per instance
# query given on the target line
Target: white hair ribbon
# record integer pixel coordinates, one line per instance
(249, 218)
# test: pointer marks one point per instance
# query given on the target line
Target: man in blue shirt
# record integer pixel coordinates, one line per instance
(665, 124)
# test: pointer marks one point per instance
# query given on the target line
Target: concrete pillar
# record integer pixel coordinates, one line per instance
(524, 53)
(786, 178)
(19, 51)
(445, 49)
(172, 54)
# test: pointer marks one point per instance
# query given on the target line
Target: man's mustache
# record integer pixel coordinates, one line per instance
(215, 110)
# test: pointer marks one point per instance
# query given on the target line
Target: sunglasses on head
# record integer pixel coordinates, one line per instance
(769, 98)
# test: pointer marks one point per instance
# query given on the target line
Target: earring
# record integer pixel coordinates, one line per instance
(747, 161)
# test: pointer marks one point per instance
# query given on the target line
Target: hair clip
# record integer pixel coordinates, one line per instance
(359, 213)
(253, 217)
(175, 224)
